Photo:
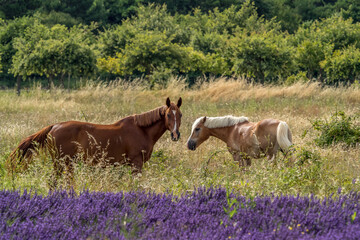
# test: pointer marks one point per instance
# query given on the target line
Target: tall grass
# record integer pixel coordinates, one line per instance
(320, 171)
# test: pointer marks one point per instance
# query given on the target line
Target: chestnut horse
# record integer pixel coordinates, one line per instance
(128, 141)
(244, 139)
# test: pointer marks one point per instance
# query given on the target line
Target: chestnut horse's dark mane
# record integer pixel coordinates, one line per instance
(150, 117)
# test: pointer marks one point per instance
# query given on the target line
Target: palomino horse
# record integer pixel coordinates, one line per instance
(128, 141)
(244, 139)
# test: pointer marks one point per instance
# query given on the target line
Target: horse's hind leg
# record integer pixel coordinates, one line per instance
(69, 172)
(271, 152)
(57, 173)
(248, 162)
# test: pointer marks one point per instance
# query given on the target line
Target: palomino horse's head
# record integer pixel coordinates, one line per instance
(173, 118)
(199, 133)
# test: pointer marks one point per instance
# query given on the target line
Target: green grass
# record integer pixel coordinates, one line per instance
(318, 171)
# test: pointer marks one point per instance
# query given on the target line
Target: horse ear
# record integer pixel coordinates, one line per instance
(203, 120)
(168, 102)
(179, 102)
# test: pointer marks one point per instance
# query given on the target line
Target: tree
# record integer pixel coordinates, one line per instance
(77, 9)
(9, 31)
(320, 39)
(309, 54)
(342, 65)
(261, 57)
(53, 52)
(153, 52)
(11, 9)
(118, 10)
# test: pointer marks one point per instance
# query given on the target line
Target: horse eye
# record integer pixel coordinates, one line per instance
(197, 129)
(169, 115)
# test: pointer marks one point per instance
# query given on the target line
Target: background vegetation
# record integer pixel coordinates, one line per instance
(318, 169)
(59, 42)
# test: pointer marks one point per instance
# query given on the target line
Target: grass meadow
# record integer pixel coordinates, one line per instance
(173, 168)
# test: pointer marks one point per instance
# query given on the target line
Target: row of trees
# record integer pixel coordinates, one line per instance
(290, 13)
(156, 44)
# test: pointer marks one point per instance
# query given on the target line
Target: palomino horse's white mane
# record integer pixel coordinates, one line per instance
(217, 122)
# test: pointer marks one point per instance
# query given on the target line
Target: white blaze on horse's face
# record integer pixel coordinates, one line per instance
(173, 118)
(199, 133)
(174, 112)
(173, 123)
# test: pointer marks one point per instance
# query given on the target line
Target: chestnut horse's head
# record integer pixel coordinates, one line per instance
(173, 118)
(199, 133)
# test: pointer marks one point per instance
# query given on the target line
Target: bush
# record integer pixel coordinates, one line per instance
(340, 128)
(342, 66)
(261, 57)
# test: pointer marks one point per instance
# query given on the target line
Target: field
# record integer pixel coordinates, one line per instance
(204, 214)
(173, 168)
(198, 194)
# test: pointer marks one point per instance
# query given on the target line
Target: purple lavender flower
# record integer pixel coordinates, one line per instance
(204, 214)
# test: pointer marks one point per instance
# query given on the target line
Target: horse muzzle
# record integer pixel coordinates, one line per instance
(176, 136)
(191, 145)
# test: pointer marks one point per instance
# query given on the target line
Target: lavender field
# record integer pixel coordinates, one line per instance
(204, 214)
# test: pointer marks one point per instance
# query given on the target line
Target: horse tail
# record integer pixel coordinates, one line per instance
(284, 136)
(26, 148)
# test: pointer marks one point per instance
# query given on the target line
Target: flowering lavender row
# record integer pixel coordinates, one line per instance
(204, 214)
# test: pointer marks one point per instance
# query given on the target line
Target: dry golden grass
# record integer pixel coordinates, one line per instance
(172, 166)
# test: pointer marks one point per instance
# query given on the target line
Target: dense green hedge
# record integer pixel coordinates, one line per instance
(156, 43)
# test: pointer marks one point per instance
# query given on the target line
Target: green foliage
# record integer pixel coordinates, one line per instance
(118, 10)
(18, 8)
(52, 18)
(338, 31)
(155, 41)
(316, 43)
(232, 204)
(340, 129)
(305, 157)
(342, 66)
(309, 54)
(9, 30)
(291, 14)
(261, 56)
(113, 40)
(148, 52)
(78, 9)
(187, 6)
(54, 51)
(353, 217)
(299, 77)
(155, 18)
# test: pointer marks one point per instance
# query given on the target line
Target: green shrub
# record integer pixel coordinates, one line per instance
(340, 128)
(305, 157)
(343, 65)
(300, 77)
(261, 57)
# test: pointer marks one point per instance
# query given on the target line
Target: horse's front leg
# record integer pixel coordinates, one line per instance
(248, 161)
(237, 156)
(138, 162)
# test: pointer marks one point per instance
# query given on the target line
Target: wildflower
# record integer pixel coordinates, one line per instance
(290, 228)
